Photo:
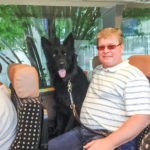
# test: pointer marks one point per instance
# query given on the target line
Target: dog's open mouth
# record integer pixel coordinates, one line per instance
(62, 73)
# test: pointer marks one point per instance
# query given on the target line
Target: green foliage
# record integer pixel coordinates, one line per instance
(12, 27)
(136, 12)
(141, 14)
(63, 27)
(16, 24)
(84, 22)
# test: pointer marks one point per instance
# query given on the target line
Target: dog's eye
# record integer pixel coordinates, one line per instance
(65, 54)
(54, 55)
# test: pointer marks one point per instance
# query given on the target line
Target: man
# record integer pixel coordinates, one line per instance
(118, 101)
(8, 118)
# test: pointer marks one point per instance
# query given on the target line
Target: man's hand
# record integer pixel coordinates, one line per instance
(128, 131)
(99, 144)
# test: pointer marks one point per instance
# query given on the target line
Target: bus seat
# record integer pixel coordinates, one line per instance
(143, 63)
(95, 61)
(25, 96)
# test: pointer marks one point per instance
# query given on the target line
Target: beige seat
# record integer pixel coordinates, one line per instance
(25, 96)
(143, 63)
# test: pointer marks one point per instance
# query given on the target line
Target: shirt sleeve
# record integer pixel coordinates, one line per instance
(137, 95)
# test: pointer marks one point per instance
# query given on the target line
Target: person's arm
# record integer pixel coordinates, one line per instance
(128, 131)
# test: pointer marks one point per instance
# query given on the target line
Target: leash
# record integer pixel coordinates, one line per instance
(72, 106)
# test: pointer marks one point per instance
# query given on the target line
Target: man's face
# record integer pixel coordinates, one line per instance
(110, 51)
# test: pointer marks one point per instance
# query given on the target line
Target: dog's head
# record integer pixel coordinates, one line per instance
(60, 57)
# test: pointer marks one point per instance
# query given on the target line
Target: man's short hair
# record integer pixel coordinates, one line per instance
(108, 32)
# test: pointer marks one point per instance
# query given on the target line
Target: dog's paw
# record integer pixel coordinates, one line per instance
(51, 133)
(58, 131)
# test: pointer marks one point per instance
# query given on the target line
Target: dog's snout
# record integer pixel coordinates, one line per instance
(61, 62)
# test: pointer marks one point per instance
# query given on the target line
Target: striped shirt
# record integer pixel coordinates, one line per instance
(114, 95)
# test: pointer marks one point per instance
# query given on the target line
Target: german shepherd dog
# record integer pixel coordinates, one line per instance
(63, 67)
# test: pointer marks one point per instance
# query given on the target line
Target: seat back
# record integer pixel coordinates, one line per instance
(143, 63)
(25, 96)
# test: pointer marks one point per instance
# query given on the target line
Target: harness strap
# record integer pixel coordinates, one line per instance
(72, 106)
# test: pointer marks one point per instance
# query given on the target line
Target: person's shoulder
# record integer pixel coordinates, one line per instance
(93, 72)
(89, 75)
(4, 90)
(134, 68)
(135, 72)
(97, 69)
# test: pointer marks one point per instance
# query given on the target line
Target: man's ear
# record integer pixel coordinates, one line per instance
(122, 48)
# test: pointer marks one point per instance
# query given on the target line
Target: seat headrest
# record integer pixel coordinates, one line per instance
(142, 62)
(95, 61)
(24, 79)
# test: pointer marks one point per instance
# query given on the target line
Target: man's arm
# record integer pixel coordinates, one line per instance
(128, 131)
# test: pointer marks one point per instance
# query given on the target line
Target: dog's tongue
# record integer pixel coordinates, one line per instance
(62, 73)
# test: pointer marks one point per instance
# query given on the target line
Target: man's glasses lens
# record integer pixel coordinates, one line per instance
(110, 47)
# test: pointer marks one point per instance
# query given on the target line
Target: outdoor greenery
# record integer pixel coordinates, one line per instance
(140, 14)
(136, 13)
(16, 23)
(12, 27)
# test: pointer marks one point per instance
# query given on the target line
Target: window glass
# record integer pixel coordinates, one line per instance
(135, 27)
(21, 28)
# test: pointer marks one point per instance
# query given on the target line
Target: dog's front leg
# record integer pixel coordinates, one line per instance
(71, 123)
(61, 123)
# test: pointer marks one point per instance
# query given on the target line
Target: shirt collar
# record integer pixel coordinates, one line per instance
(115, 68)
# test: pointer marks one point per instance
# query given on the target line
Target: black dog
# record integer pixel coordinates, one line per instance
(62, 63)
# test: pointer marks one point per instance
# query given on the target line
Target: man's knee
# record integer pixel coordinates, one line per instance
(52, 145)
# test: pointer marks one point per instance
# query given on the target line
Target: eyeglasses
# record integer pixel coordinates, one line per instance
(109, 47)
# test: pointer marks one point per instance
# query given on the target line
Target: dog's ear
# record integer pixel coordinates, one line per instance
(69, 41)
(45, 43)
(56, 41)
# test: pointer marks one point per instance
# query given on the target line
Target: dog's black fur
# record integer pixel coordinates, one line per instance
(62, 63)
